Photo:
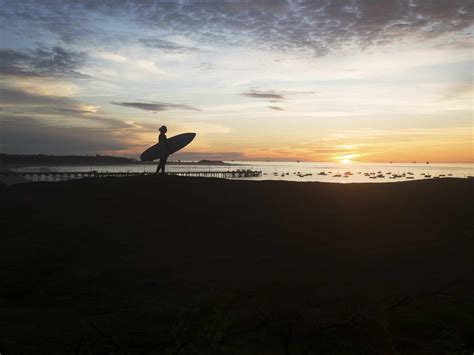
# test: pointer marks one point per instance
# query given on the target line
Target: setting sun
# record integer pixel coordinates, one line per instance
(346, 159)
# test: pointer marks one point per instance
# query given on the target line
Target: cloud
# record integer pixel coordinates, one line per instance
(72, 111)
(458, 91)
(276, 108)
(274, 96)
(155, 106)
(17, 103)
(205, 66)
(26, 135)
(313, 26)
(56, 62)
(168, 47)
(20, 98)
(259, 94)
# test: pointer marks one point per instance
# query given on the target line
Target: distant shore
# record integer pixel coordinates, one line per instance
(63, 160)
(163, 264)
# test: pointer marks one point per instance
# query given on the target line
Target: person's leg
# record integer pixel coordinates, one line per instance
(163, 164)
(158, 168)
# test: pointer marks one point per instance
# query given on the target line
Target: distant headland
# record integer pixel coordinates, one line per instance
(44, 159)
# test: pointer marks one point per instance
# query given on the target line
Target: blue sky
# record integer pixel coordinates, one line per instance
(285, 80)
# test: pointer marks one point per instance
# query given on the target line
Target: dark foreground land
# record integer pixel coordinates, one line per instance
(188, 265)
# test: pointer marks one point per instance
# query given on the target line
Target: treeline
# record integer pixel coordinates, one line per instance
(42, 159)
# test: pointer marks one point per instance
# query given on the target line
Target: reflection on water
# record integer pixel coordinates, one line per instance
(304, 171)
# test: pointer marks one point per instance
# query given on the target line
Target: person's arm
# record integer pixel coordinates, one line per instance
(164, 141)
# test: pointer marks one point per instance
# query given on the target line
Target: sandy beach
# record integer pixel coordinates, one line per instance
(191, 265)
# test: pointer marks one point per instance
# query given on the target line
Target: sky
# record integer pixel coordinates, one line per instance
(329, 80)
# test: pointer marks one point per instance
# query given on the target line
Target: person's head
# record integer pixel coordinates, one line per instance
(163, 129)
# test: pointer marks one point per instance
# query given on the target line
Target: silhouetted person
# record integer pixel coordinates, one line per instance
(164, 150)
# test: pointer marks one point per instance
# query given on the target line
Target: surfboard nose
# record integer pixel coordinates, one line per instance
(143, 157)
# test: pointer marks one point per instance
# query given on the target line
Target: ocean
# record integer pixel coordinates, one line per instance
(303, 171)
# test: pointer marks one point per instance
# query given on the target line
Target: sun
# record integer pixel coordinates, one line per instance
(345, 159)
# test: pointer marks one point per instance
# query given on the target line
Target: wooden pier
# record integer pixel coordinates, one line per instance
(69, 175)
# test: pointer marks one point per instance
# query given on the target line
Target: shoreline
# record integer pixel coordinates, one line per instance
(25, 165)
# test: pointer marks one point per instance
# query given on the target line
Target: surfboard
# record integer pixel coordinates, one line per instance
(175, 143)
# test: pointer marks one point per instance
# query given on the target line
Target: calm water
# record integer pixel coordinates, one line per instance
(292, 171)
